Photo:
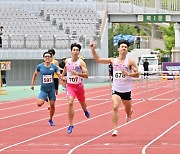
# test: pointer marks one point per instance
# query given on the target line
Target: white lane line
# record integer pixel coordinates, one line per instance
(34, 97)
(61, 129)
(63, 104)
(30, 139)
(21, 114)
(19, 100)
(64, 113)
(16, 107)
(75, 124)
(42, 109)
(80, 145)
(57, 99)
(48, 118)
(63, 98)
(146, 146)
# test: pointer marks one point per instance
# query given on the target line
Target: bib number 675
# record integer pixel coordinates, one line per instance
(119, 75)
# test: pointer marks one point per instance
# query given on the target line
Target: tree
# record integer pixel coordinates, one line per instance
(169, 37)
(169, 40)
(119, 28)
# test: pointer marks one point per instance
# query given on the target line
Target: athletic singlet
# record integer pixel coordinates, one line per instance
(121, 83)
(46, 76)
(55, 74)
(70, 65)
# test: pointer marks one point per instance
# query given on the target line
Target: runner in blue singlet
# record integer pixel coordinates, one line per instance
(47, 89)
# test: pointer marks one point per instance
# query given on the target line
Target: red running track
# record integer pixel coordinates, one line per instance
(153, 129)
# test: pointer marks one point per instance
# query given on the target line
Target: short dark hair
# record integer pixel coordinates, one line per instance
(52, 51)
(1, 27)
(123, 42)
(63, 58)
(47, 53)
(75, 45)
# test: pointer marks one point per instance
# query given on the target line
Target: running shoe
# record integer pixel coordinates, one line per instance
(51, 123)
(87, 114)
(70, 128)
(128, 118)
(115, 133)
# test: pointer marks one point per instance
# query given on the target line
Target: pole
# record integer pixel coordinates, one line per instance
(2, 92)
(0, 78)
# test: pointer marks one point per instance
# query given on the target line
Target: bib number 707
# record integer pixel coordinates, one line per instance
(73, 80)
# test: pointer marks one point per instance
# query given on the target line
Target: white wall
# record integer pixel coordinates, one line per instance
(136, 54)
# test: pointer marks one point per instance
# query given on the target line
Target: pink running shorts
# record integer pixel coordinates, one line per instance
(76, 90)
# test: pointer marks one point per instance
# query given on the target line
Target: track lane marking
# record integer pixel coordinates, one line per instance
(30, 139)
(66, 113)
(80, 145)
(36, 98)
(86, 121)
(63, 104)
(65, 127)
(147, 145)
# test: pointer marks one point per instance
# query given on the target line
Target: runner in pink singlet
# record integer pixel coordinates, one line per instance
(76, 70)
(74, 86)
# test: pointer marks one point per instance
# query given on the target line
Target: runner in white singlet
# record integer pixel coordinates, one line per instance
(124, 69)
(121, 82)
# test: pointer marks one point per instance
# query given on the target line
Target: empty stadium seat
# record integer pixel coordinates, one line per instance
(64, 21)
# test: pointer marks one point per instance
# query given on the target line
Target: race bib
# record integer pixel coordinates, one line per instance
(73, 79)
(47, 79)
(118, 75)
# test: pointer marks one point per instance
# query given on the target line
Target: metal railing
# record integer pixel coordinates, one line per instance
(128, 6)
(16, 41)
(143, 6)
(145, 87)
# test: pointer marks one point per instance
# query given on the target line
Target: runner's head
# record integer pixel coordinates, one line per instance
(52, 51)
(123, 47)
(75, 50)
(123, 42)
(75, 45)
(47, 57)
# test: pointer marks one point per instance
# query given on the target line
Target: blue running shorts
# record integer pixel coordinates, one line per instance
(50, 94)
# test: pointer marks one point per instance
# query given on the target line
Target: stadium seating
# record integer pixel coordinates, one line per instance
(47, 27)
